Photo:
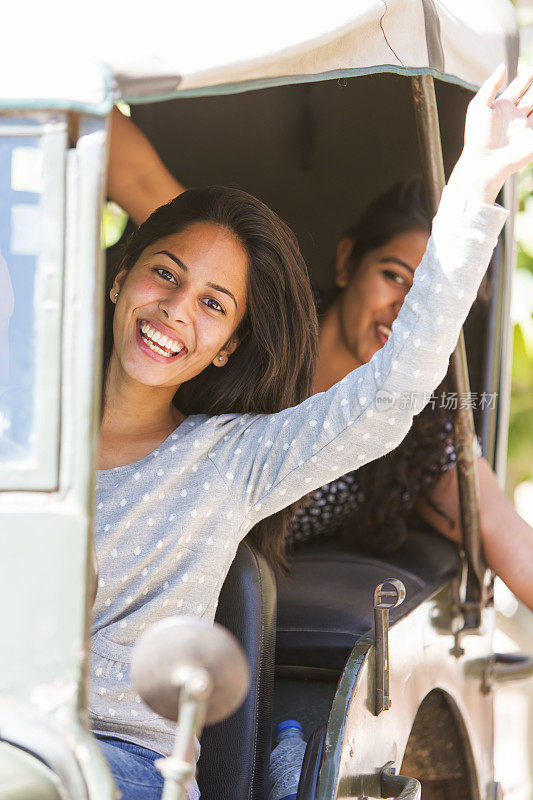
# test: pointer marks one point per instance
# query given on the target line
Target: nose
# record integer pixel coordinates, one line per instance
(177, 306)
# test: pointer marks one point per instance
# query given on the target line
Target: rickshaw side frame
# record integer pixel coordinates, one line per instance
(476, 595)
(47, 715)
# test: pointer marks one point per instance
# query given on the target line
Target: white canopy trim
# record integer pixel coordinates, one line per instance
(237, 46)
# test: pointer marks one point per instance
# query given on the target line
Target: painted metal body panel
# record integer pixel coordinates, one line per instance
(358, 744)
(25, 777)
(46, 569)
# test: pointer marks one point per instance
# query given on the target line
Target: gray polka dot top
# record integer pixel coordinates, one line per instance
(167, 527)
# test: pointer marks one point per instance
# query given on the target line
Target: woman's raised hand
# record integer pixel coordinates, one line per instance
(498, 136)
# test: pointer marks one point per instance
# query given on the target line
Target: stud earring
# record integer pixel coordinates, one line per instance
(220, 358)
(116, 295)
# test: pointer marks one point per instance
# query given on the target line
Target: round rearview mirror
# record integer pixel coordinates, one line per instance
(175, 651)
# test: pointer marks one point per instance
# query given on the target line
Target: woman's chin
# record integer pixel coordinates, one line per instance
(367, 355)
(137, 370)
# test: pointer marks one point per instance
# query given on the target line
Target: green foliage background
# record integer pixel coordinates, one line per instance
(520, 447)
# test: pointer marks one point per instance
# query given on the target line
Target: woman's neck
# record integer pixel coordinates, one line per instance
(135, 419)
(335, 361)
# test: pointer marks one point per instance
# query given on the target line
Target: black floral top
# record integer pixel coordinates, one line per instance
(323, 511)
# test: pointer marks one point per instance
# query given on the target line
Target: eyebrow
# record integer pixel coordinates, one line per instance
(394, 260)
(225, 291)
(185, 268)
(173, 258)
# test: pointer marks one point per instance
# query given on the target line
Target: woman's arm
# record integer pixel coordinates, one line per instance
(137, 179)
(286, 455)
(507, 538)
(369, 412)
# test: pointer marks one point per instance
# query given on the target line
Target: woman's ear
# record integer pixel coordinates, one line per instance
(117, 283)
(224, 354)
(342, 262)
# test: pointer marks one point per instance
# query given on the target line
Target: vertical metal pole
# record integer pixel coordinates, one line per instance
(506, 335)
(427, 123)
(492, 361)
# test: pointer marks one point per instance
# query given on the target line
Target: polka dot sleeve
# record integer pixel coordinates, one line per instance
(279, 458)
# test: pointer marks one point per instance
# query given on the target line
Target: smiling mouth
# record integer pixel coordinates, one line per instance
(383, 330)
(158, 342)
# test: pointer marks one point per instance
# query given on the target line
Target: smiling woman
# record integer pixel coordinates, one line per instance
(375, 263)
(190, 328)
(200, 447)
(372, 507)
(171, 291)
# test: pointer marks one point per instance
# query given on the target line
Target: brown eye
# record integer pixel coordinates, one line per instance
(215, 304)
(395, 277)
(165, 274)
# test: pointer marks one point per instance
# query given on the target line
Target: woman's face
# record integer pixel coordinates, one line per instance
(374, 294)
(179, 306)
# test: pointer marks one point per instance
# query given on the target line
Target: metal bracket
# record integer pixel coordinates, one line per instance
(500, 668)
(494, 791)
(398, 786)
(384, 600)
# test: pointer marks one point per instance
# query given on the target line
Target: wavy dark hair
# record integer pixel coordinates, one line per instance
(273, 366)
(393, 484)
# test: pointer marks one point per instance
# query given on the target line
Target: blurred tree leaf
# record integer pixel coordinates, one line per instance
(522, 362)
(520, 441)
(114, 221)
(523, 259)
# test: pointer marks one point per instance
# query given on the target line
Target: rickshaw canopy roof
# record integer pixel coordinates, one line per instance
(88, 57)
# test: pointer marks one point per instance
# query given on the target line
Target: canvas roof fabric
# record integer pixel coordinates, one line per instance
(87, 58)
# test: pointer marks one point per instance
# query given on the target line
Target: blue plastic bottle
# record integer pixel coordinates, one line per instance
(286, 761)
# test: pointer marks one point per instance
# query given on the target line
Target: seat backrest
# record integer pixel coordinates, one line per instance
(235, 753)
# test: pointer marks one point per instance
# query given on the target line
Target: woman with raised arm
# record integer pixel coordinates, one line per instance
(204, 434)
(374, 268)
(375, 264)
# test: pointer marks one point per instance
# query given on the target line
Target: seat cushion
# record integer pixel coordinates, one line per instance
(327, 603)
(235, 753)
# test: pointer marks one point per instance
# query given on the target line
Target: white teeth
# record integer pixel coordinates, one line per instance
(158, 350)
(384, 330)
(153, 336)
(173, 345)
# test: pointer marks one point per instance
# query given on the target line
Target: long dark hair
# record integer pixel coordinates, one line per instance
(401, 209)
(393, 484)
(273, 366)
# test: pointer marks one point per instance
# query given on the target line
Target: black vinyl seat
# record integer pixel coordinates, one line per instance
(327, 603)
(323, 609)
(235, 753)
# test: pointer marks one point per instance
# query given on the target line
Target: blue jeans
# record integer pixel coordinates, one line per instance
(133, 769)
